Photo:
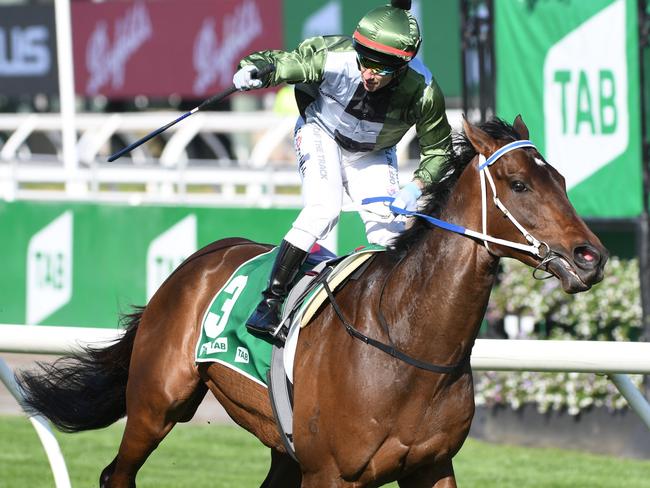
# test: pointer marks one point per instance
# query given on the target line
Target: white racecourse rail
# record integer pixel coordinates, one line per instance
(616, 359)
(261, 158)
(488, 354)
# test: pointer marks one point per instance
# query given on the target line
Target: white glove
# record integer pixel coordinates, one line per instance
(407, 198)
(244, 80)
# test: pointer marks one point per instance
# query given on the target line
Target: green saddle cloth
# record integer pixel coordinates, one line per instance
(224, 337)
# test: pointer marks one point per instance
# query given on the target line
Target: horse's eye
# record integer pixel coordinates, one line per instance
(518, 186)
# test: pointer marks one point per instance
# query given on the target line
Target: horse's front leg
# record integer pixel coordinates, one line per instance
(439, 475)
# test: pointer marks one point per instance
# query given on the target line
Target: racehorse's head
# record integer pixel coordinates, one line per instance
(535, 210)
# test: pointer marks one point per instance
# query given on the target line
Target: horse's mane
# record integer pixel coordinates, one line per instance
(436, 194)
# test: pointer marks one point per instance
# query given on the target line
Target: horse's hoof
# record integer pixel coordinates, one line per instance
(106, 474)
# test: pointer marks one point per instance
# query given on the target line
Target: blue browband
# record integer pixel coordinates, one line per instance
(503, 150)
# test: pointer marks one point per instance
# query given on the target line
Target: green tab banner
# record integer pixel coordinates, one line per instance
(570, 68)
(79, 265)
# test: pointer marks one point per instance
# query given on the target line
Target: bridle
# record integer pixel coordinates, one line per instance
(533, 245)
(536, 247)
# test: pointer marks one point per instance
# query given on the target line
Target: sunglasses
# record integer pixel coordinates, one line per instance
(375, 67)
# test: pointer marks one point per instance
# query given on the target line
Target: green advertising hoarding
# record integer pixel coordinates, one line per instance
(570, 67)
(82, 264)
(439, 21)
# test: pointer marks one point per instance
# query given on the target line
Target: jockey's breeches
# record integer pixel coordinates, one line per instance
(328, 172)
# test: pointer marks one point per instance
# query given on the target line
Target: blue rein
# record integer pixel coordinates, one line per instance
(402, 211)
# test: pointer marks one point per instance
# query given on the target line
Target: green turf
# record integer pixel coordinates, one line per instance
(224, 457)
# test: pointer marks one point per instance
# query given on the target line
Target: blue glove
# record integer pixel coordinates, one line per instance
(245, 79)
(407, 198)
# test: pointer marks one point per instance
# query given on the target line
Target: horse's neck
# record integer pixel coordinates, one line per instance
(442, 289)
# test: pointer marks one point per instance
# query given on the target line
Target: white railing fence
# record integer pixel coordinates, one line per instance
(42, 427)
(255, 171)
(615, 359)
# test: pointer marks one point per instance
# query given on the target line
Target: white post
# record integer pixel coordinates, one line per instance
(67, 97)
(49, 442)
(633, 396)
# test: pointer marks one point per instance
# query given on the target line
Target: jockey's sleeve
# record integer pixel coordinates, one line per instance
(433, 133)
(305, 64)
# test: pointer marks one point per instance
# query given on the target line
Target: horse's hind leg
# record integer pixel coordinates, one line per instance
(107, 472)
(163, 388)
(284, 472)
(149, 421)
(140, 439)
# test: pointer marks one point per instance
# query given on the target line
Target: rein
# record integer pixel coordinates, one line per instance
(534, 246)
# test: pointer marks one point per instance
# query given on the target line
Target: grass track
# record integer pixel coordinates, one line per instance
(196, 456)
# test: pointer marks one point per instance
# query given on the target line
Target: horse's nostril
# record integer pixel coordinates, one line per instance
(586, 256)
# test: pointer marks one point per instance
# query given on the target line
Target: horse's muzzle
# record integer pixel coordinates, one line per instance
(588, 258)
(582, 270)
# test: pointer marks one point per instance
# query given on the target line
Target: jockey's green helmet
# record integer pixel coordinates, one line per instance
(388, 35)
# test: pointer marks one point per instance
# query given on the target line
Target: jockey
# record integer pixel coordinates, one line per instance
(357, 98)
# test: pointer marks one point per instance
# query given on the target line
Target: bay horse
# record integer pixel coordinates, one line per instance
(362, 418)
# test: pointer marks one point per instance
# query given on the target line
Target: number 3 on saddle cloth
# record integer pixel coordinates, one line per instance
(224, 337)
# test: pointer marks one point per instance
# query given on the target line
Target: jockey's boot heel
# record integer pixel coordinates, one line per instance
(266, 317)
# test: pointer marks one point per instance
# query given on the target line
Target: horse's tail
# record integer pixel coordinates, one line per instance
(84, 390)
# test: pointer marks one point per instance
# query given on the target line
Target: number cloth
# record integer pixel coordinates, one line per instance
(224, 338)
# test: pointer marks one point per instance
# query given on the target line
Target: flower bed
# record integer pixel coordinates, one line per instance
(523, 308)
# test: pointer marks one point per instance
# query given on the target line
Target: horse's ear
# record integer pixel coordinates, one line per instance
(520, 128)
(481, 140)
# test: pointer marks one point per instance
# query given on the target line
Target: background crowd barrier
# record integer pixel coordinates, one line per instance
(263, 165)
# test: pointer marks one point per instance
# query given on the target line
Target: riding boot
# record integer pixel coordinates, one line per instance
(266, 317)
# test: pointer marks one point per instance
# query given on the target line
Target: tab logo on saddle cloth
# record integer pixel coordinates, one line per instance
(224, 338)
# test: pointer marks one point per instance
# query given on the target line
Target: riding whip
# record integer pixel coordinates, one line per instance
(261, 73)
